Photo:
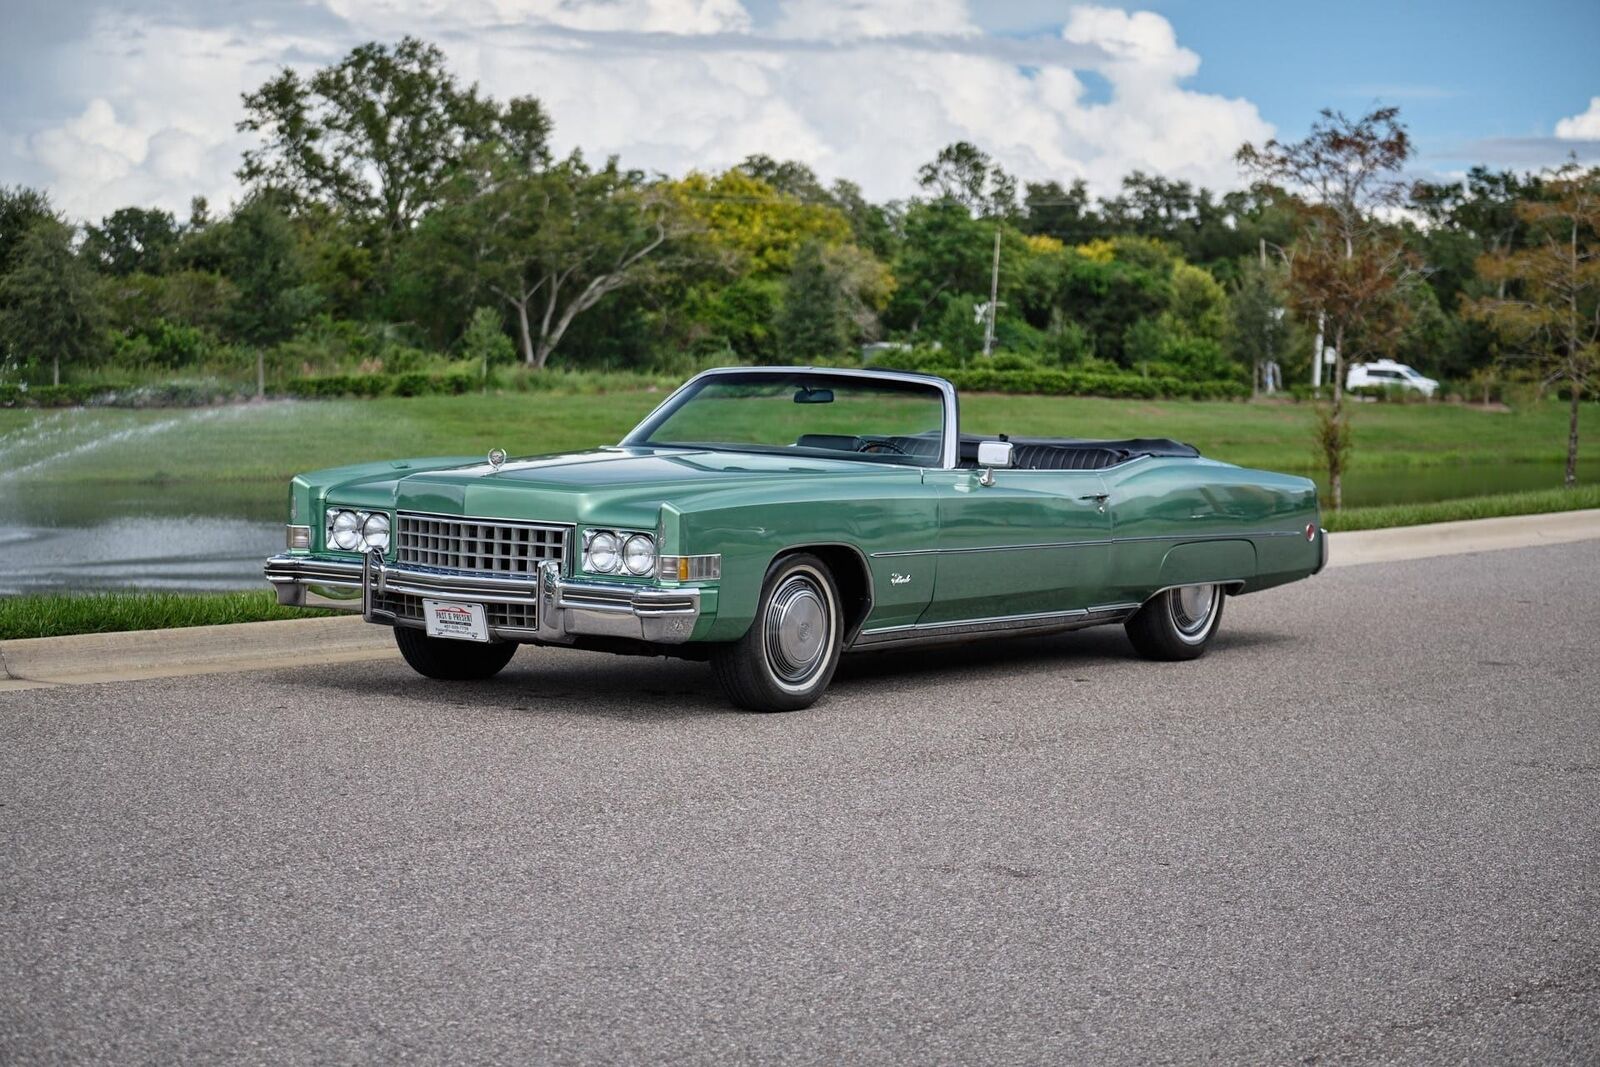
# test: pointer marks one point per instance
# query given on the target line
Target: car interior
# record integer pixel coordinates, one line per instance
(1027, 453)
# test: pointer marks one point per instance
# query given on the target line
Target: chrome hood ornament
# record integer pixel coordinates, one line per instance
(497, 458)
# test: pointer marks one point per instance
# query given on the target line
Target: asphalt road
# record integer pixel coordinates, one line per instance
(1365, 828)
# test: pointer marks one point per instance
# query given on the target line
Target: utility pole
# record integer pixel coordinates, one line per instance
(994, 294)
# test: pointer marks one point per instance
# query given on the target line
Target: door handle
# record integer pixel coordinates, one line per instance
(1099, 499)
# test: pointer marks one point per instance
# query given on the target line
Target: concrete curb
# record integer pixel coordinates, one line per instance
(1456, 538)
(137, 654)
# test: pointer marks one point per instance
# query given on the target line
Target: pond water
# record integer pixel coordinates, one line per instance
(188, 537)
(176, 538)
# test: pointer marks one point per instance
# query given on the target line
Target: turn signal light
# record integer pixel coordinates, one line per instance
(692, 568)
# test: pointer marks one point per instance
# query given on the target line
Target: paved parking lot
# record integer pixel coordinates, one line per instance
(1364, 829)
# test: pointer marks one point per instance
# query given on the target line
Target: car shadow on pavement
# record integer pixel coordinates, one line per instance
(1099, 648)
(639, 688)
(547, 680)
(996, 653)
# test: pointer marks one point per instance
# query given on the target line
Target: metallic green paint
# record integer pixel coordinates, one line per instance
(936, 545)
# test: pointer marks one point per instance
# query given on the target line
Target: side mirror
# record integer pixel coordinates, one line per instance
(992, 454)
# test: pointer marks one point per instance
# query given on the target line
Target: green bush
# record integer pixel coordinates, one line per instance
(1012, 361)
(55, 396)
(485, 342)
(1017, 372)
(1050, 382)
(928, 359)
(417, 383)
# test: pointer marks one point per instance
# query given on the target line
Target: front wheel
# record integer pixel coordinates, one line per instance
(449, 660)
(1177, 624)
(787, 657)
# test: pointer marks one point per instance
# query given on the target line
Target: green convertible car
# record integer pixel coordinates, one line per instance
(771, 519)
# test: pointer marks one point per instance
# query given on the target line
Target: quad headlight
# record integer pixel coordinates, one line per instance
(349, 530)
(619, 552)
(639, 555)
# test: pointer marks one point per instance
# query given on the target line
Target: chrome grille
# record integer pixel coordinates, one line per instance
(509, 548)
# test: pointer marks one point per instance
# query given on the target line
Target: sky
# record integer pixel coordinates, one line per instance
(107, 104)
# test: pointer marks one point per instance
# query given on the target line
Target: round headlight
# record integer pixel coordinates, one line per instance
(639, 555)
(375, 533)
(346, 531)
(602, 554)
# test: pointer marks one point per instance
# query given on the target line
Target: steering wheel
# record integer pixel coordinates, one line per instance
(881, 446)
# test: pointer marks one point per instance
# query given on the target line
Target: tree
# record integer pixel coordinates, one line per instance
(1065, 214)
(260, 256)
(1345, 265)
(376, 134)
(830, 299)
(1257, 330)
(133, 240)
(965, 174)
(551, 244)
(755, 226)
(20, 208)
(1462, 221)
(945, 252)
(788, 177)
(1551, 301)
(48, 305)
(876, 226)
(485, 342)
(812, 324)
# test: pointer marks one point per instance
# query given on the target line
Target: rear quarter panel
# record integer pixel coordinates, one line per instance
(1183, 521)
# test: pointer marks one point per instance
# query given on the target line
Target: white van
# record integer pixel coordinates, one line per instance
(1386, 372)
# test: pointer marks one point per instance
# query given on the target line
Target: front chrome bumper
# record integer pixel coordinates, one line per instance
(564, 610)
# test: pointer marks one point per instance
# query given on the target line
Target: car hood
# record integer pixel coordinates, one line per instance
(614, 485)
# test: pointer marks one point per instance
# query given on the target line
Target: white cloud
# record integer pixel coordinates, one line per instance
(1581, 127)
(861, 89)
(158, 125)
(873, 18)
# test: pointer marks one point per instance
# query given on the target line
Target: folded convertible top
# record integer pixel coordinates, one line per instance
(1077, 453)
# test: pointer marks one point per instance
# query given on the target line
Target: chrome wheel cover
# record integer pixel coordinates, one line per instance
(798, 630)
(1192, 608)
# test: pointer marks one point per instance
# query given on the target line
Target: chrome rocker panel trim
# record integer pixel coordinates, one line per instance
(566, 610)
(1000, 626)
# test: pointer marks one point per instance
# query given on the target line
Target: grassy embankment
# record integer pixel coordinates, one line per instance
(99, 613)
(218, 453)
(255, 443)
(1493, 506)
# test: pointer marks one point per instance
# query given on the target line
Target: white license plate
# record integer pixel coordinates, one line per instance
(451, 618)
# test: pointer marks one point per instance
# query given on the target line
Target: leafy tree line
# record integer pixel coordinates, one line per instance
(397, 219)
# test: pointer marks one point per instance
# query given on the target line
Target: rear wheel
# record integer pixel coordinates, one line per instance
(449, 660)
(1177, 624)
(787, 657)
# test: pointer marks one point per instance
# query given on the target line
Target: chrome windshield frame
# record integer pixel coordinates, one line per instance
(949, 447)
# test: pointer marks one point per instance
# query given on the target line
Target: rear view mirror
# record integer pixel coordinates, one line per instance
(806, 395)
(994, 453)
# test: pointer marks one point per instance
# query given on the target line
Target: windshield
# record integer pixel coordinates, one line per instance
(880, 420)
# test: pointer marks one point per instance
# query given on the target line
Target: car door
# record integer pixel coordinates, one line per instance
(1035, 542)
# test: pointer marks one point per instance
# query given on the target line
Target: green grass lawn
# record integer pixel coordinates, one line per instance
(1491, 506)
(229, 457)
(263, 442)
(98, 613)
